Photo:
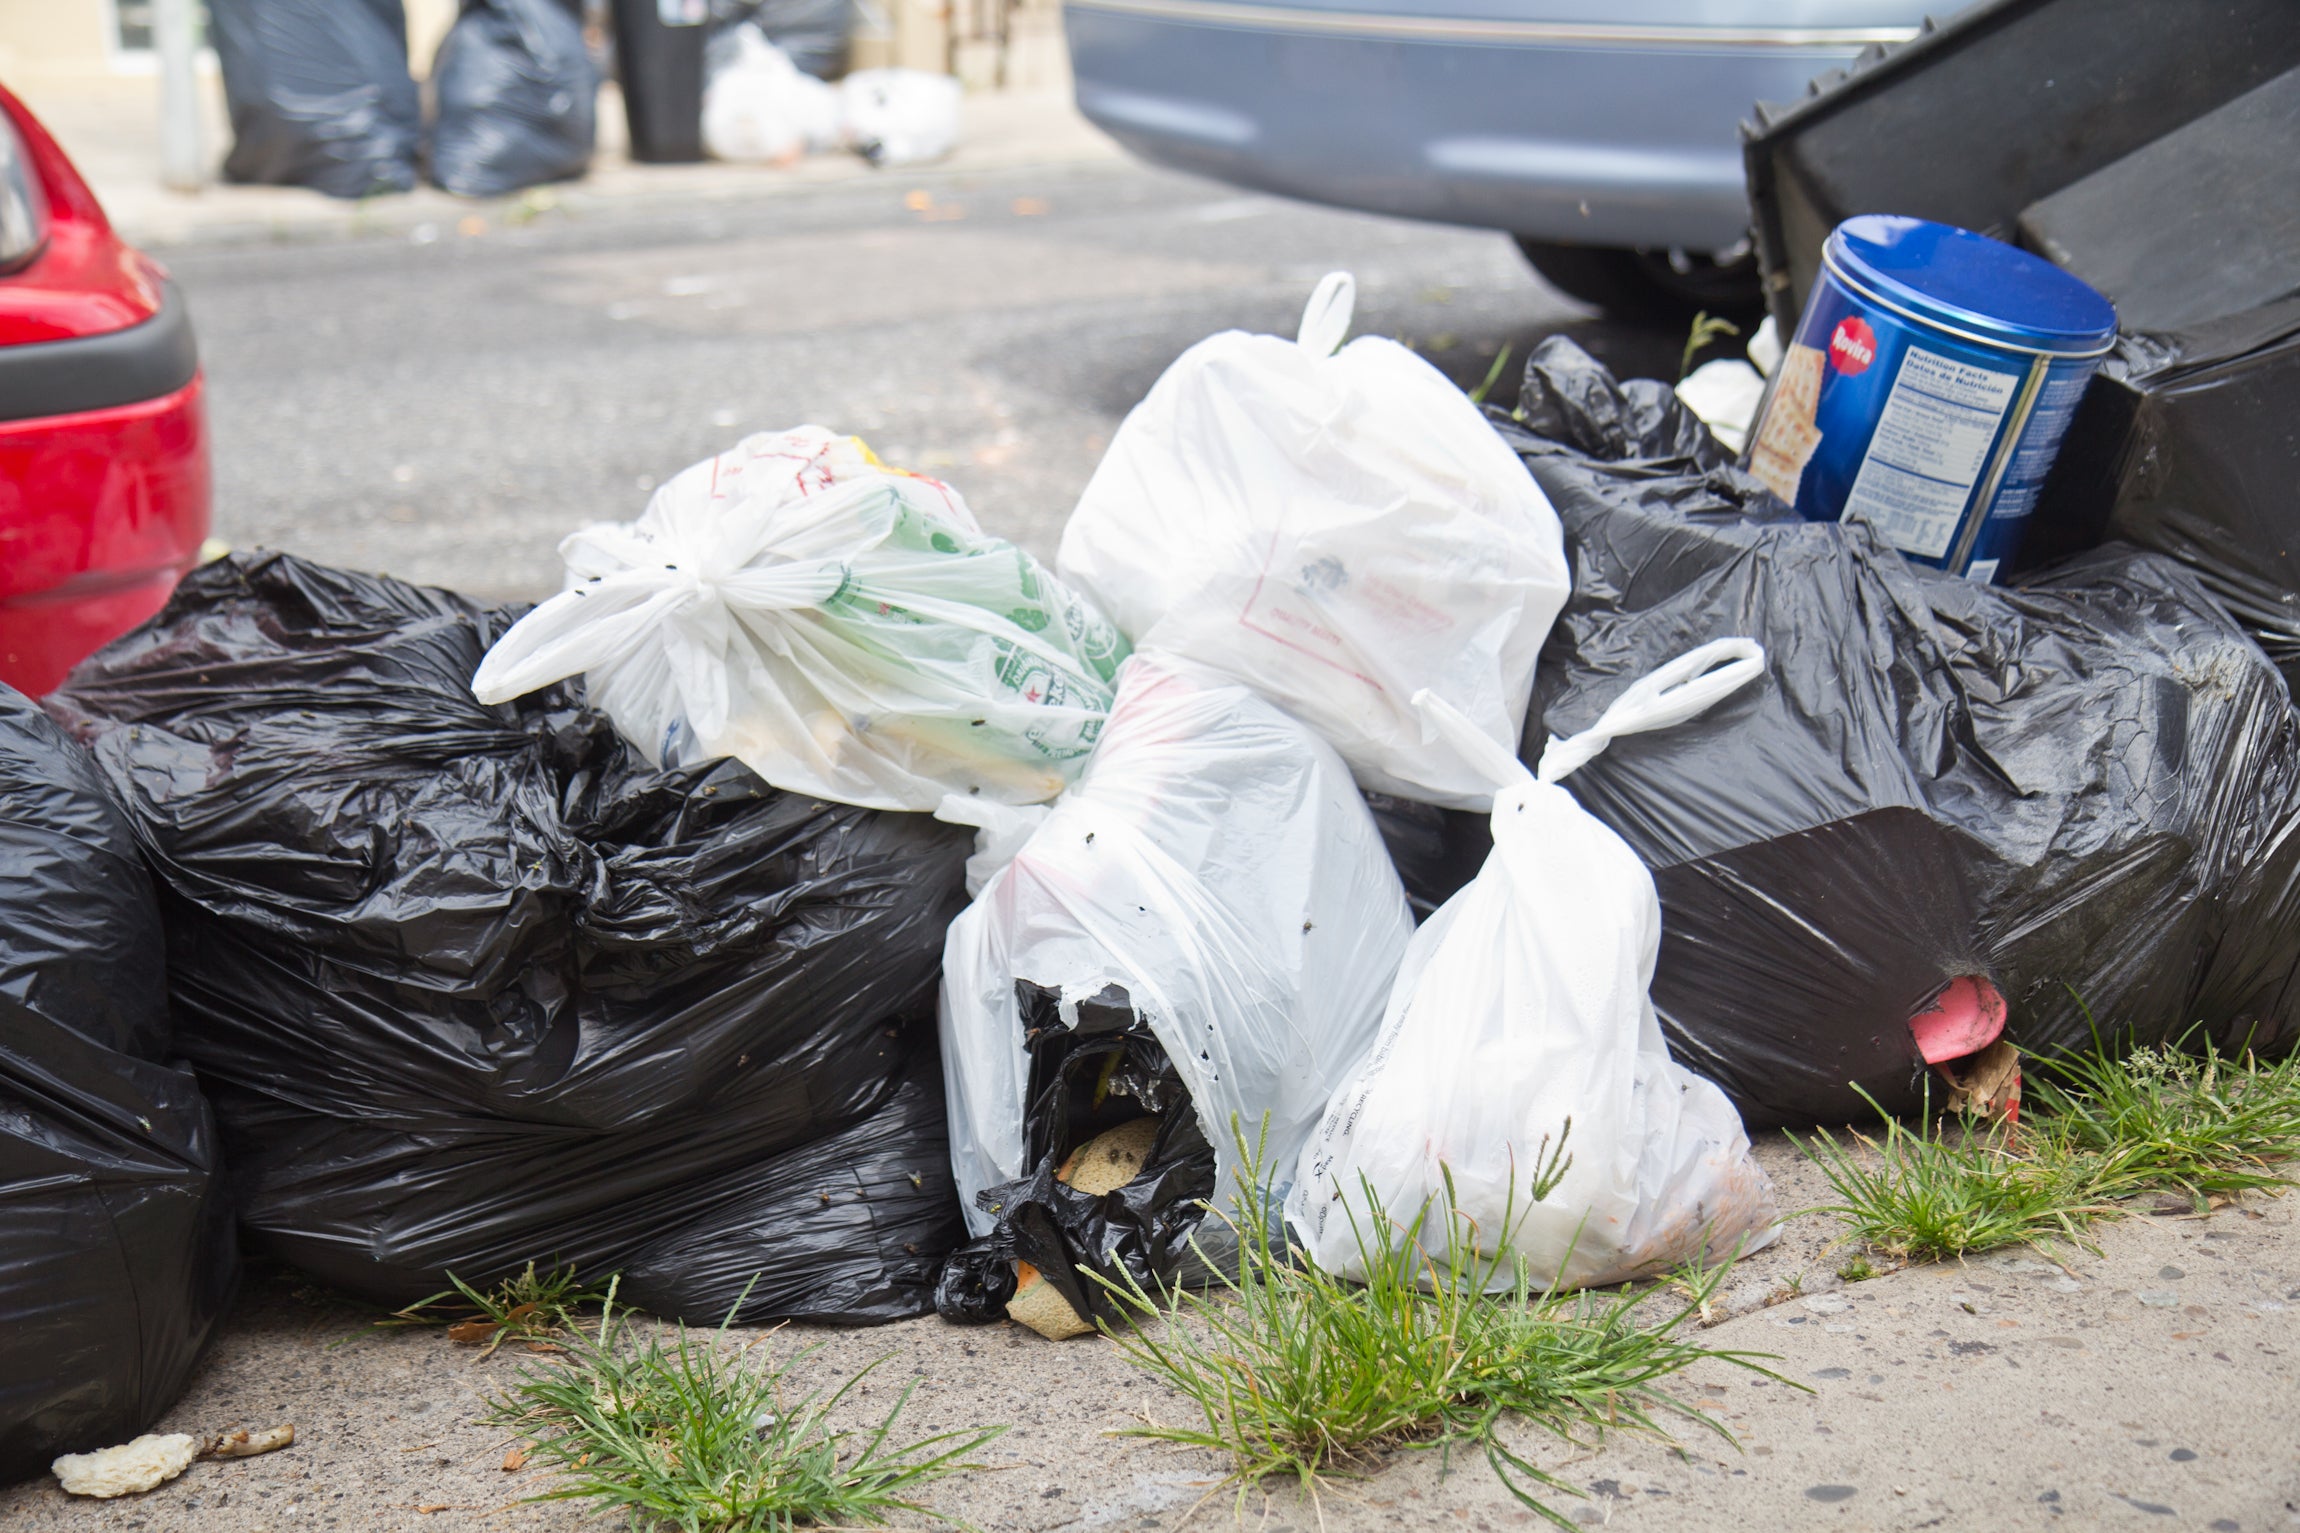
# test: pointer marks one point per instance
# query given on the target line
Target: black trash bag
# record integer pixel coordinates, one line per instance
(517, 96)
(815, 34)
(472, 986)
(2083, 791)
(319, 94)
(2185, 444)
(1084, 1081)
(116, 1254)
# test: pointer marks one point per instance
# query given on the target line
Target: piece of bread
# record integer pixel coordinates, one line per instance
(1110, 1160)
(1103, 1164)
(128, 1469)
(1040, 1305)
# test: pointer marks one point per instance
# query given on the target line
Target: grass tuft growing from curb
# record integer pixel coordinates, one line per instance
(531, 1306)
(1299, 1374)
(2102, 1130)
(2160, 1120)
(1944, 1189)
(694, 1434)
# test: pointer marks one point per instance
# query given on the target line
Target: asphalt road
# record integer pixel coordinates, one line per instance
(446, 405)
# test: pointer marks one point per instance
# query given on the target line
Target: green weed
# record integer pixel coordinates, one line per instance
(532, 1306)
(2100, 1130)
(1297, 1373)
(2167, 1120)
(1492, 376)
(1708, 329)
(1943, 1190)
(692, 1434)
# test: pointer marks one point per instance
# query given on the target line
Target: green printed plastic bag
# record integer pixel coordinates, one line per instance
(843, 628)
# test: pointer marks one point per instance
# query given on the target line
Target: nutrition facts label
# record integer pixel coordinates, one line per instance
(1931, 444)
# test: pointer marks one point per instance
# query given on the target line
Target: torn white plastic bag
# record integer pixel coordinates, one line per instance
(1216, 863)
(1338, 527)
(842, 628)
(1521, 1006)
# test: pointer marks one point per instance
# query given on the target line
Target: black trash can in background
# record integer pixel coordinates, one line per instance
(659, 55)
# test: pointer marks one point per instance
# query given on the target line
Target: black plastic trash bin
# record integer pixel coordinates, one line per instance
(659, 57)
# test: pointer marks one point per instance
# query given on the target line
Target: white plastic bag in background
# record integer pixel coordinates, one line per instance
(1215, 862)
(759, 106)
(1339, 529)
(1522, 1004)
(899, 116)
(843, 628)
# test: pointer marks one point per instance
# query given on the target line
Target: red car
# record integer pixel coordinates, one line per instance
(103, 436)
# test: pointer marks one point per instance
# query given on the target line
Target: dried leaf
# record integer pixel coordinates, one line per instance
(472, 1332)
(516, 1459)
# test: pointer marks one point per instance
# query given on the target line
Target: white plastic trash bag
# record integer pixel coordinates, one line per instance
(1214, 862)
(843, 628)
(1522, 1005)
(1340, 529)
(759, 106)
(899, 116)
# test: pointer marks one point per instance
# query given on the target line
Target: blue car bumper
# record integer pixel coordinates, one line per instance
(1588, 134)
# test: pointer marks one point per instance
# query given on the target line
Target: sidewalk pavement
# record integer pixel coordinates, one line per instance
(110, 129)
(2146, 1384)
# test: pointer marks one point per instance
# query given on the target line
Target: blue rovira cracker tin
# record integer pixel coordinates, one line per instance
(1927, 389)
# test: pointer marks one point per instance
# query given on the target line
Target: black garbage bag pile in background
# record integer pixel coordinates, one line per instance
(517, 97)
(116, 1253)
(2086, 790)
(319, 94)
(472, 986)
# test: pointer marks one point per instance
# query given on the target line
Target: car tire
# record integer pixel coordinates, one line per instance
(1658, 285)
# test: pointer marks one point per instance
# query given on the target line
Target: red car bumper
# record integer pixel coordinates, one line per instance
(100, 513)
(103, 431)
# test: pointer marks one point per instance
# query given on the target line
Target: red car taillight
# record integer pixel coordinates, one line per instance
(23, 205)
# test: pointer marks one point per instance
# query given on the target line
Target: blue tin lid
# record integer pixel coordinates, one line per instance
(1970, 284)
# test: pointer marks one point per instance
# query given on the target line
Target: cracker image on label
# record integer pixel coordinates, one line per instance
(1787, 439)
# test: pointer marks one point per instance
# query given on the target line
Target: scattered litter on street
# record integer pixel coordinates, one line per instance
(246, 1444)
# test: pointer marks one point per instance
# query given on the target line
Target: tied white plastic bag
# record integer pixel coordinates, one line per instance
(843, 628)
(1215, 864)
(759, 106)
(1338, 527)
(899, 116)
(1522, 1004)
